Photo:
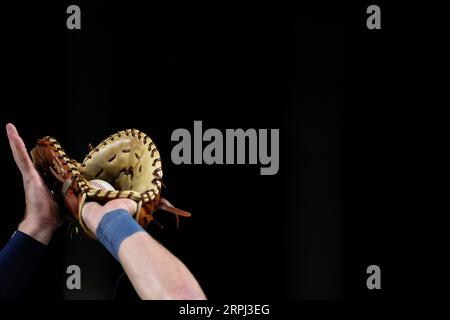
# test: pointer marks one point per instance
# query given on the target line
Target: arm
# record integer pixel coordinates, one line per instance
(22, 254)
(19, 259)
(154, 272)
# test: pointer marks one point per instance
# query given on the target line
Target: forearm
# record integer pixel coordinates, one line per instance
(155, 272)
(19, 259)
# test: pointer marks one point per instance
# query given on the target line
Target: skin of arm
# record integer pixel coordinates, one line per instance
(154, 271)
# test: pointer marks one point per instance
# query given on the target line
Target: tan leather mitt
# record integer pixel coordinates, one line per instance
(127, 160)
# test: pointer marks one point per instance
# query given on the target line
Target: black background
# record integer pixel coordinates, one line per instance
(352, 108)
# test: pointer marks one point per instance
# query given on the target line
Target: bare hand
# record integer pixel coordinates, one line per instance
(41, 214)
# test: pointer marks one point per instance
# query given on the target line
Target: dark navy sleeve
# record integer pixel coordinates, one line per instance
(19, 258)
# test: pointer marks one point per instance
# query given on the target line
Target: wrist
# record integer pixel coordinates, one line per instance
(92, 212)
(114, 228)
(38, 230)
(91, 219)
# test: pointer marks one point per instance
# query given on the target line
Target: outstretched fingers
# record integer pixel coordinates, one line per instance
(20, 152)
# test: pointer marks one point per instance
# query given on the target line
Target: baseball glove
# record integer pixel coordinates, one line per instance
(128, 160)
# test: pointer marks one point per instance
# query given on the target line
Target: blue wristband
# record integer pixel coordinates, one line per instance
(116, 226)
